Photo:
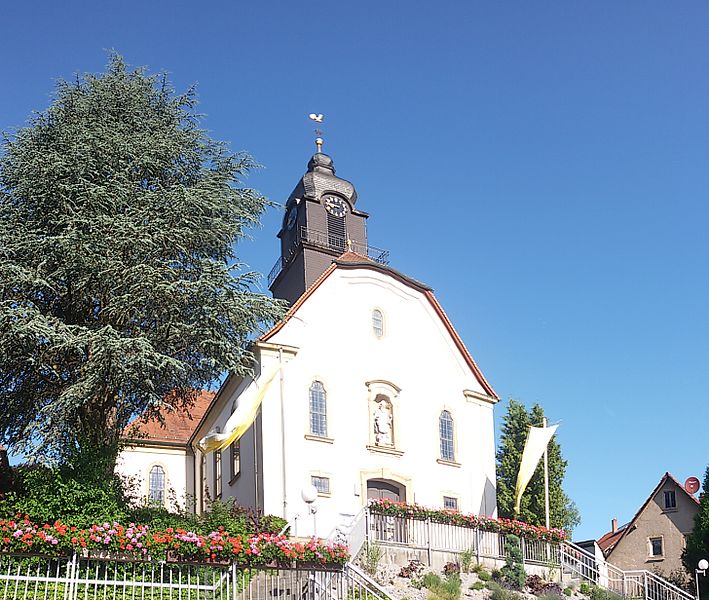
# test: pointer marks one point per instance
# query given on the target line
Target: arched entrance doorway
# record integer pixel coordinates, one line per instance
(385, 528)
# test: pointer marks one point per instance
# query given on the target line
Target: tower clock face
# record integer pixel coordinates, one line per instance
(334, 205)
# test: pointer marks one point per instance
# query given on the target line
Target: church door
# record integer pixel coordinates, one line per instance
(380, 489)
(386, 528)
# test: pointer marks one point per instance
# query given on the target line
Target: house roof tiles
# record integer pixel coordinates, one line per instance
(177, 426)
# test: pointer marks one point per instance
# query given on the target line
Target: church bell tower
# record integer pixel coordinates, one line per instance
(320, 223)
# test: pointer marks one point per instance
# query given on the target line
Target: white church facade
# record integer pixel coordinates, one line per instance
(364, 390)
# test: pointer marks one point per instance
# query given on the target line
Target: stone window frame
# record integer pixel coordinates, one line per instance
(312, 433)
(454, 498)
(150, 469)
(650, 547)
(381, 326)
(443, 454)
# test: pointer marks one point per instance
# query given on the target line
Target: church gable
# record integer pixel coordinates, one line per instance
(355, 298)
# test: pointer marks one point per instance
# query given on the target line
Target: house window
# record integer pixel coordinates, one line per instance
(156, 485)
(670, 499)
(445, 429)
(322, 484)
(378, 323)
(655, 547)
(218, 473)
(318, 410)
(235, 450)
(450, 502)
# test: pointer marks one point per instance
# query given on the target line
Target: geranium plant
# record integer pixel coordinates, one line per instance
(453, 517)
(20, 535)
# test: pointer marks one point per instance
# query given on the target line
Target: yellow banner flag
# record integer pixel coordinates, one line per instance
(243, 417)
(534, 447)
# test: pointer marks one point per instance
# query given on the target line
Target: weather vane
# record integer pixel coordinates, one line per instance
(318, 132)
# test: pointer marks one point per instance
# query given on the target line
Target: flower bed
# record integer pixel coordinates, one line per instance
(141, 542)
(452, 517)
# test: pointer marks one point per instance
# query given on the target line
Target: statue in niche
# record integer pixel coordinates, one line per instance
(383, 423)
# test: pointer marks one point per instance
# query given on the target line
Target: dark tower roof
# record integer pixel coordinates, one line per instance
(320, 178)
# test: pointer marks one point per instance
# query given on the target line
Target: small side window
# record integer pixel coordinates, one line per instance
(322, 484)
(450, 502)
(655, 547)
(670, 499)
(378, 323)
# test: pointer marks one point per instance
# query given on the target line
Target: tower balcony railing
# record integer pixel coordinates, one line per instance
(336, 243)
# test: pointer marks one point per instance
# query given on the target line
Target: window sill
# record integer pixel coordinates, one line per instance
(317, 438)
(669, 510)
(655, 558)
(385, 450)
(324, 494)
(449, 463)
(233, 479)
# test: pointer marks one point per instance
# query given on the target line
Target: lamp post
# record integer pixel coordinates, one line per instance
(702, 567)
(310, 495)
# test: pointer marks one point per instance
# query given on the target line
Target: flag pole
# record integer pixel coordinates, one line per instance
(546, 480)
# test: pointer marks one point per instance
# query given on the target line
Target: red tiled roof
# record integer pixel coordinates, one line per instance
(178, 425)
(607, 541)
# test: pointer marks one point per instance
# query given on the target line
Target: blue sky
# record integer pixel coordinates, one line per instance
(542, 165)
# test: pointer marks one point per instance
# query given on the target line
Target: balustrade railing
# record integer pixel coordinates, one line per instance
(336, 243)
(78, 578)
(572, 561)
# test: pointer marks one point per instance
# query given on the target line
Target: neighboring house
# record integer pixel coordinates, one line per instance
(655, 538)
(159, 462)
(376, 395)
(365, 388)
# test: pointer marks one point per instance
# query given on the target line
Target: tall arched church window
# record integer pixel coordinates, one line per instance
(318, 409)
(378, 323)
(156, 485)
(445, 431)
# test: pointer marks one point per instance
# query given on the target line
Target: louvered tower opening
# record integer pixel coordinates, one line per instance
(336, 232)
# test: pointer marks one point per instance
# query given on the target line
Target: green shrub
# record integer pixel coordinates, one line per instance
(598, 593)
(466, 560)
(47, 494)
(430, 581)
(585, 588)
(442, 589)
(497, 592)
(478, 585)
(372, 557)
(496, 575)
(483, 575)
(568, 591)
(80, 497)
(513, 573)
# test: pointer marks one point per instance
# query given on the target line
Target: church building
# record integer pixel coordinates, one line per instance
(363, 390)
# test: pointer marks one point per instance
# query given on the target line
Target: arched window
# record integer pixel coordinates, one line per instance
(378, 323)
(445, 430)
(318, 410)
(156, 485)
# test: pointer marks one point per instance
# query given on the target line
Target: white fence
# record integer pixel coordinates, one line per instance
(435, 537)
(570, 560)
(77, 578)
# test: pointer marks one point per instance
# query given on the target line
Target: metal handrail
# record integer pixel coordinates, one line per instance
(322, 239)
